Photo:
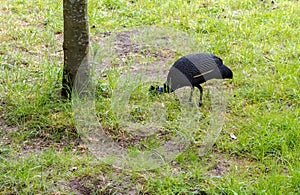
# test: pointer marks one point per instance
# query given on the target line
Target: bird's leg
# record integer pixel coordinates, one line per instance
(192, 90)
(201, 94)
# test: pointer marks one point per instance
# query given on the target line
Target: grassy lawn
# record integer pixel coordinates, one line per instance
(42, 153)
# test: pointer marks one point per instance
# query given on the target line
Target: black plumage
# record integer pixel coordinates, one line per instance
(192, 70)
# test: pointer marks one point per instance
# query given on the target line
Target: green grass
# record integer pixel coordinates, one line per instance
(41, 152)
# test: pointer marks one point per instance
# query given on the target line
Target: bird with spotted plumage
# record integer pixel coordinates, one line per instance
(193, 70)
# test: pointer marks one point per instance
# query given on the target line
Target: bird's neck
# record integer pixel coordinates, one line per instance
(167, 89)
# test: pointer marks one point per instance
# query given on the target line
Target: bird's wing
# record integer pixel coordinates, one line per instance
(204, 62)
(202, 74)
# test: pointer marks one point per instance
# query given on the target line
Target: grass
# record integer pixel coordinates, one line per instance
(41, 152)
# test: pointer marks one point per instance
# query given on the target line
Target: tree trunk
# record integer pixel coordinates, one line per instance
(76, 42)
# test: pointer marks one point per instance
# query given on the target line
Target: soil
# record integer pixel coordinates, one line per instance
(118, 183)
(125, 47)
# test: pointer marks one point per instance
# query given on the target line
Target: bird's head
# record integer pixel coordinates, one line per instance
(160, 89)
(156, 89)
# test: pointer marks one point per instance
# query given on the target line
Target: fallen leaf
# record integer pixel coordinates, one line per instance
(73, 169)
(232, 136)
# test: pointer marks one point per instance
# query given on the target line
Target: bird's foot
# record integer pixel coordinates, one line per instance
(200, 104)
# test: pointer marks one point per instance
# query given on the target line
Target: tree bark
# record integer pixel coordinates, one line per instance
(76, 42)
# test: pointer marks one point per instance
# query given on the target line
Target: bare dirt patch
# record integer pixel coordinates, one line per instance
(124, 47)
(118, 183)
(221, 164)
(58, 140)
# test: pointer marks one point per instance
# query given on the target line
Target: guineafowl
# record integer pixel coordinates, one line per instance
(192, 70)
